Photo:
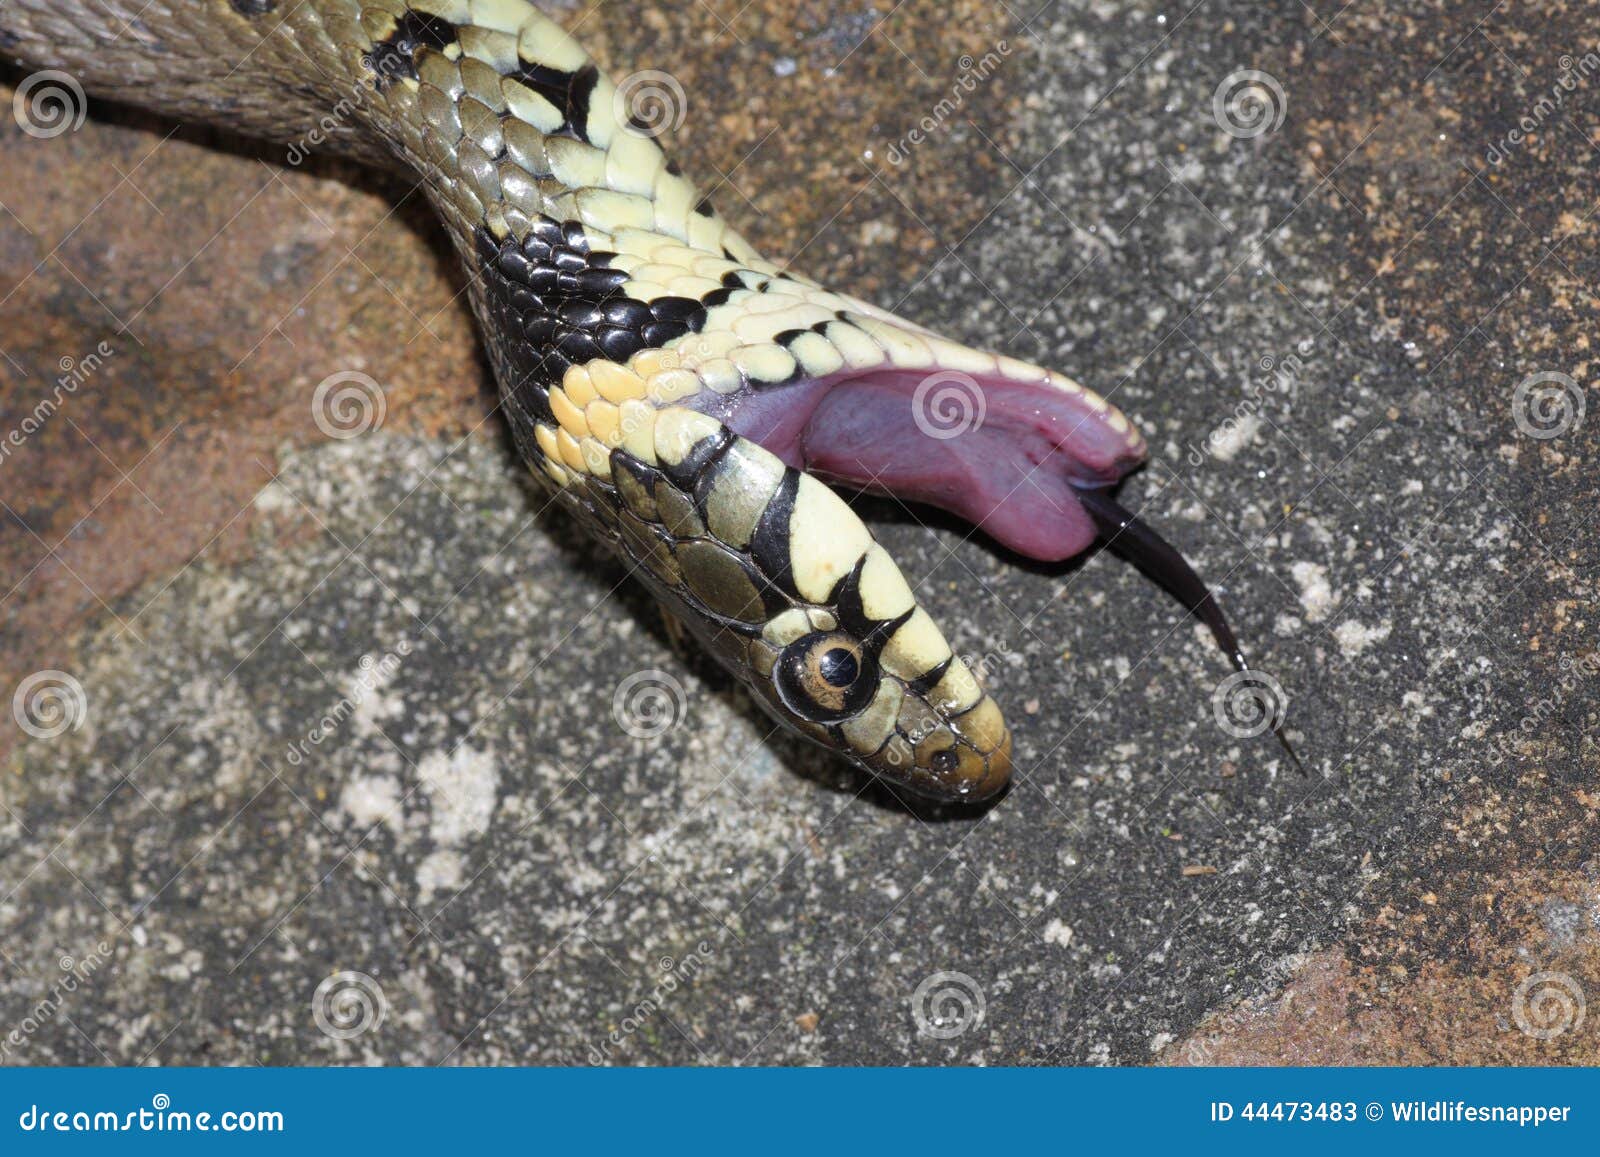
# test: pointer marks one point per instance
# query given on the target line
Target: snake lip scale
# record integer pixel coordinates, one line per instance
(688, 400)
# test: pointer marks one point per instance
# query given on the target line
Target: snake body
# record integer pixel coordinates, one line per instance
(680, 394)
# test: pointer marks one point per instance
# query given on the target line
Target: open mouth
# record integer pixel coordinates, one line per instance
(1007, 454)
(1028, 457)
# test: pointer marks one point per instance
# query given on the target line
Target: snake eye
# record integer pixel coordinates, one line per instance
(826, 677)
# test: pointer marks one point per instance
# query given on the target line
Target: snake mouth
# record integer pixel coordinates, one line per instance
(973, 768)
(1007, 453)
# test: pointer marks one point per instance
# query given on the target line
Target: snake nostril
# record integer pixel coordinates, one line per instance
(945, 762)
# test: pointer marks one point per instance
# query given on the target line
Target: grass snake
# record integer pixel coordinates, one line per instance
(688, 400)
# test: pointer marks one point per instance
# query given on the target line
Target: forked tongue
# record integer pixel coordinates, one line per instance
(1160, 561)
(1030, 464)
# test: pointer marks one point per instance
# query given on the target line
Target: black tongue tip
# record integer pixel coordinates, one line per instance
(1237, 659)
(1159, 560)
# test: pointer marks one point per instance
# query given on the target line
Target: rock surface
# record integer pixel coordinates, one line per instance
(348, 779)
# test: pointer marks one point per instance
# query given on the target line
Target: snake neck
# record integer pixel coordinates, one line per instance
(583, 240)
(500, 113)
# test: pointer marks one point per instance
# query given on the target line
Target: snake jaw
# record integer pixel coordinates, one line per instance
(782, 582)
(973, 768)
(930, 752)
(1004, 445)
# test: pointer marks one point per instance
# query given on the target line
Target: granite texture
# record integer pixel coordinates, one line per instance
(347, 781)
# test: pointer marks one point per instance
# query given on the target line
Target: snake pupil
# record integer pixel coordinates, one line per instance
(838, 668)
(825, 677)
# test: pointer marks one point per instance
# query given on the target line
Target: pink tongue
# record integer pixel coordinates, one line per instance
(1011, 474)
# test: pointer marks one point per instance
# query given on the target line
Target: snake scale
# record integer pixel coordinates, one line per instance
(686, 399)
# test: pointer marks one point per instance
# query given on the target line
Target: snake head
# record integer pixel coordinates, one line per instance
(859, 667)
(783, 583)
(707, 459)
